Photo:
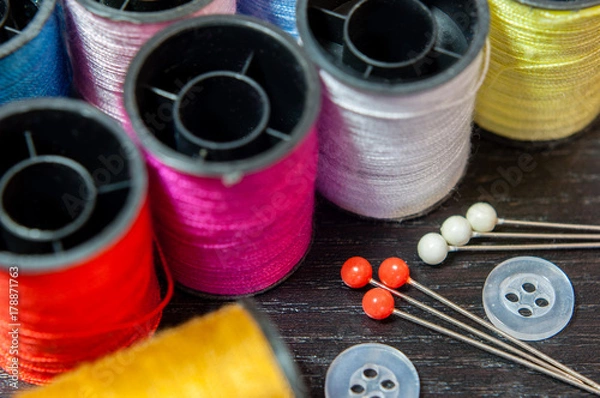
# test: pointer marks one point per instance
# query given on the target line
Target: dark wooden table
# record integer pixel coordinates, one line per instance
(319, 317)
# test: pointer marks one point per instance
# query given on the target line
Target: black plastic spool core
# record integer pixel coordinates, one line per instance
(4, 12)
(407, 46)
(144, 11)
(371, 33)
(219, 111)
(244, 66)
(71, 183)
(560, 4)
(33, 193)
(143, 5)
(21, 21)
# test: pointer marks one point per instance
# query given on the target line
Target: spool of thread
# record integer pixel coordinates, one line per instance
(224, 108)
(105, 35)
(544, 82)
(77, 276)
(33, 60)
(279, 12)
(400, 80)
(232, 352)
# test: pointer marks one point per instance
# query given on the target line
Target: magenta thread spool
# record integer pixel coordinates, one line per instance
(224, 107)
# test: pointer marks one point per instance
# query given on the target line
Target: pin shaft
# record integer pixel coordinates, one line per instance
(494, 351)
(540, 224)
(527, 235)
(507, 336)
(473, 331)
(543, 246)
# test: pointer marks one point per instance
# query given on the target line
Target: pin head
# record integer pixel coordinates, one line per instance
(457, 231)
(356, 272)
(433, 249)
(394, 272)
(378, 303)
(482, 217)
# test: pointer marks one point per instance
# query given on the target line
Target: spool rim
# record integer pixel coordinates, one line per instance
(128, 214)
(31, 31)
(144, 17)
(43, 235)
(280, 349)
(559, 5)
(184, 163)
(320, 57)
(180, 125)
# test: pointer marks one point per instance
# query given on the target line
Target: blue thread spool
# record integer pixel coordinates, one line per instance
(279, 12)
(33, 59)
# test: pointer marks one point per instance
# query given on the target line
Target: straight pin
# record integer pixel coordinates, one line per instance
(458, 231)
(433, 248)
(379, 304)
(483, 218)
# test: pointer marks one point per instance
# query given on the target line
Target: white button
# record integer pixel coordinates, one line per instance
(372, 371)
(529, 298)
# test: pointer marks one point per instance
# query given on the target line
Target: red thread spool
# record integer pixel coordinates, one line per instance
(75, 239)
(224, 107)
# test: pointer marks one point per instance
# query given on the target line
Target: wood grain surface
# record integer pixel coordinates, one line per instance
(318, 317)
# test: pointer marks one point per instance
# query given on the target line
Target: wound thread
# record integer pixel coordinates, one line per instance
(33, 60)
(393, 158)
(543, 83)
(278, 12)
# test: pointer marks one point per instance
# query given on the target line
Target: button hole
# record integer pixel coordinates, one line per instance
(542, 302)
(526, 312)
(528, 287)
(370, 373)
(357, 389)
(513, 298)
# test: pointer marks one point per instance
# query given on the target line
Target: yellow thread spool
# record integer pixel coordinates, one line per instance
(544, 77)
(223, 354)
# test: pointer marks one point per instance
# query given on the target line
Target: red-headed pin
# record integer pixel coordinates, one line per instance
(378, 303)
(394, 272)
(357, 272)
